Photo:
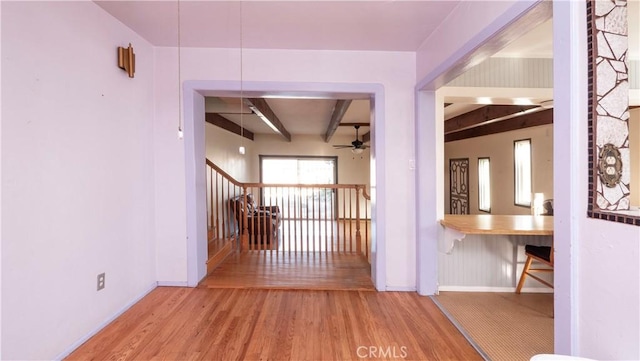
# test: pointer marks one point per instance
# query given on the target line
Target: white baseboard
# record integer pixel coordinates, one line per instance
(400, 289)
(536, 290)
(173, 284)
(493, 289)
(102, 325)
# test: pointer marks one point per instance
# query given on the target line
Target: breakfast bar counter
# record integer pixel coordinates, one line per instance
(484, 252)
(499, 224)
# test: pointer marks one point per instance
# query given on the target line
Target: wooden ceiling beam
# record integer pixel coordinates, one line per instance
(224, 123)
(482, 115)
(353, 124)
(260, 107)
(336, 117)
(524, 121)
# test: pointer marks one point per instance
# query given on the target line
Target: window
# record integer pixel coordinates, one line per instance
(310, 203)
(484, 184)
(522, 165)
(298, 170)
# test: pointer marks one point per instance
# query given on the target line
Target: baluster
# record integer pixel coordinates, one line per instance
(306, 216)
(344, 220)
(245, 222)
(367, 226)
(326, 248)
(288, 219)
(217, 215)
(334, 216)
(313, 219)
(358, 236)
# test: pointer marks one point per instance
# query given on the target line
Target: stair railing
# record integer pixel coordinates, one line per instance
(289, 217)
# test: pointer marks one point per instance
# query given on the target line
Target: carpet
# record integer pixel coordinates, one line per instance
(505, 326)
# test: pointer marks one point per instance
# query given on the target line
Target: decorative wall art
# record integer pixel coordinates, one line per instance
(609, 156)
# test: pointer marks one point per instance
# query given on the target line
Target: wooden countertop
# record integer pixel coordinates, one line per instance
(499, 224)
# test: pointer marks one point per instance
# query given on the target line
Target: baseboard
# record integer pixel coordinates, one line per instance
(493, 289)
(102, 325)
(535, 290)
(173, 284)
(400, 289)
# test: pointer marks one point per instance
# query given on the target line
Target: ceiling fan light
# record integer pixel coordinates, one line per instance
(357, 150)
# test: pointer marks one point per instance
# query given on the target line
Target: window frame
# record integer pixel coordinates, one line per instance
(334, 159)
(480, 184)
(516, 191)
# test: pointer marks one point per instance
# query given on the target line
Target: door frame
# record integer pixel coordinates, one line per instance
(194, 92)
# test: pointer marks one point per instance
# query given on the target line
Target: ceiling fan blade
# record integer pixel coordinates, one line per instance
(342, 146)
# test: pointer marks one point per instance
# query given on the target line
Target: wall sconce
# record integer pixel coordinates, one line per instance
(127, 60)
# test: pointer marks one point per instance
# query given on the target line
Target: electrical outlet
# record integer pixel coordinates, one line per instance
(100, 281)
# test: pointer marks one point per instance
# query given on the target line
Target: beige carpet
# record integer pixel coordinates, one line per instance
(505, 326)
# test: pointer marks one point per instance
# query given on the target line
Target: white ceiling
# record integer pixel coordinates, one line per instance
(323, 25)
(299, 116)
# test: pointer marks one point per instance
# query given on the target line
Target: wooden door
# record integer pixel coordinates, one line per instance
(459, 186)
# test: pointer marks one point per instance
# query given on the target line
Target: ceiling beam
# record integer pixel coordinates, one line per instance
(260, 107)
(224, 123)
(524, 121)
(482, 115)
(336, 117)
(353, 124)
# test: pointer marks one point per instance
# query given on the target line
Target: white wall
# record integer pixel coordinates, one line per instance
(1, 190)
(499, 148)
(596, 262)
(395, 71)
(608, 287)
(222, 150)
(634, 148)
(77, 175)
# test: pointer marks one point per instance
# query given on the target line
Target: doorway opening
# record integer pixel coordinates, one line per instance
(194, 137)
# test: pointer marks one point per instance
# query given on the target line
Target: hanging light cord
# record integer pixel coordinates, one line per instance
(179, 78)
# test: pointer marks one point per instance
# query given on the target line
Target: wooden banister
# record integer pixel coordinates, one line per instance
(289, 217)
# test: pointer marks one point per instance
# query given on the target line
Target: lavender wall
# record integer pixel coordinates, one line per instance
(77, 175)
(394, 71)
(596, 272)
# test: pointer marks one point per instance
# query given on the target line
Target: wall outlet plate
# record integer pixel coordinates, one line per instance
(101, 278)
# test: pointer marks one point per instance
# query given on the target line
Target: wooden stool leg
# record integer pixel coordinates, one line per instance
(527, 265)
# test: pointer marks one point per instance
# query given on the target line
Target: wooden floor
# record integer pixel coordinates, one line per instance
(174, 323)
(292, 270)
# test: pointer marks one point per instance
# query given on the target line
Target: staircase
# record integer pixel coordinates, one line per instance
(285, 218)
(219, 250)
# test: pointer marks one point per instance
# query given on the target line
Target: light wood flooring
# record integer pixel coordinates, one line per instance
(173, 323)
(292, 270)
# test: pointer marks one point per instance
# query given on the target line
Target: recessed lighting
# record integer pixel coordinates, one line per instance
(522, 101)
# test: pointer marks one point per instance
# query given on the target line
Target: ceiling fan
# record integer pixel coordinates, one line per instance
(357, 146)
